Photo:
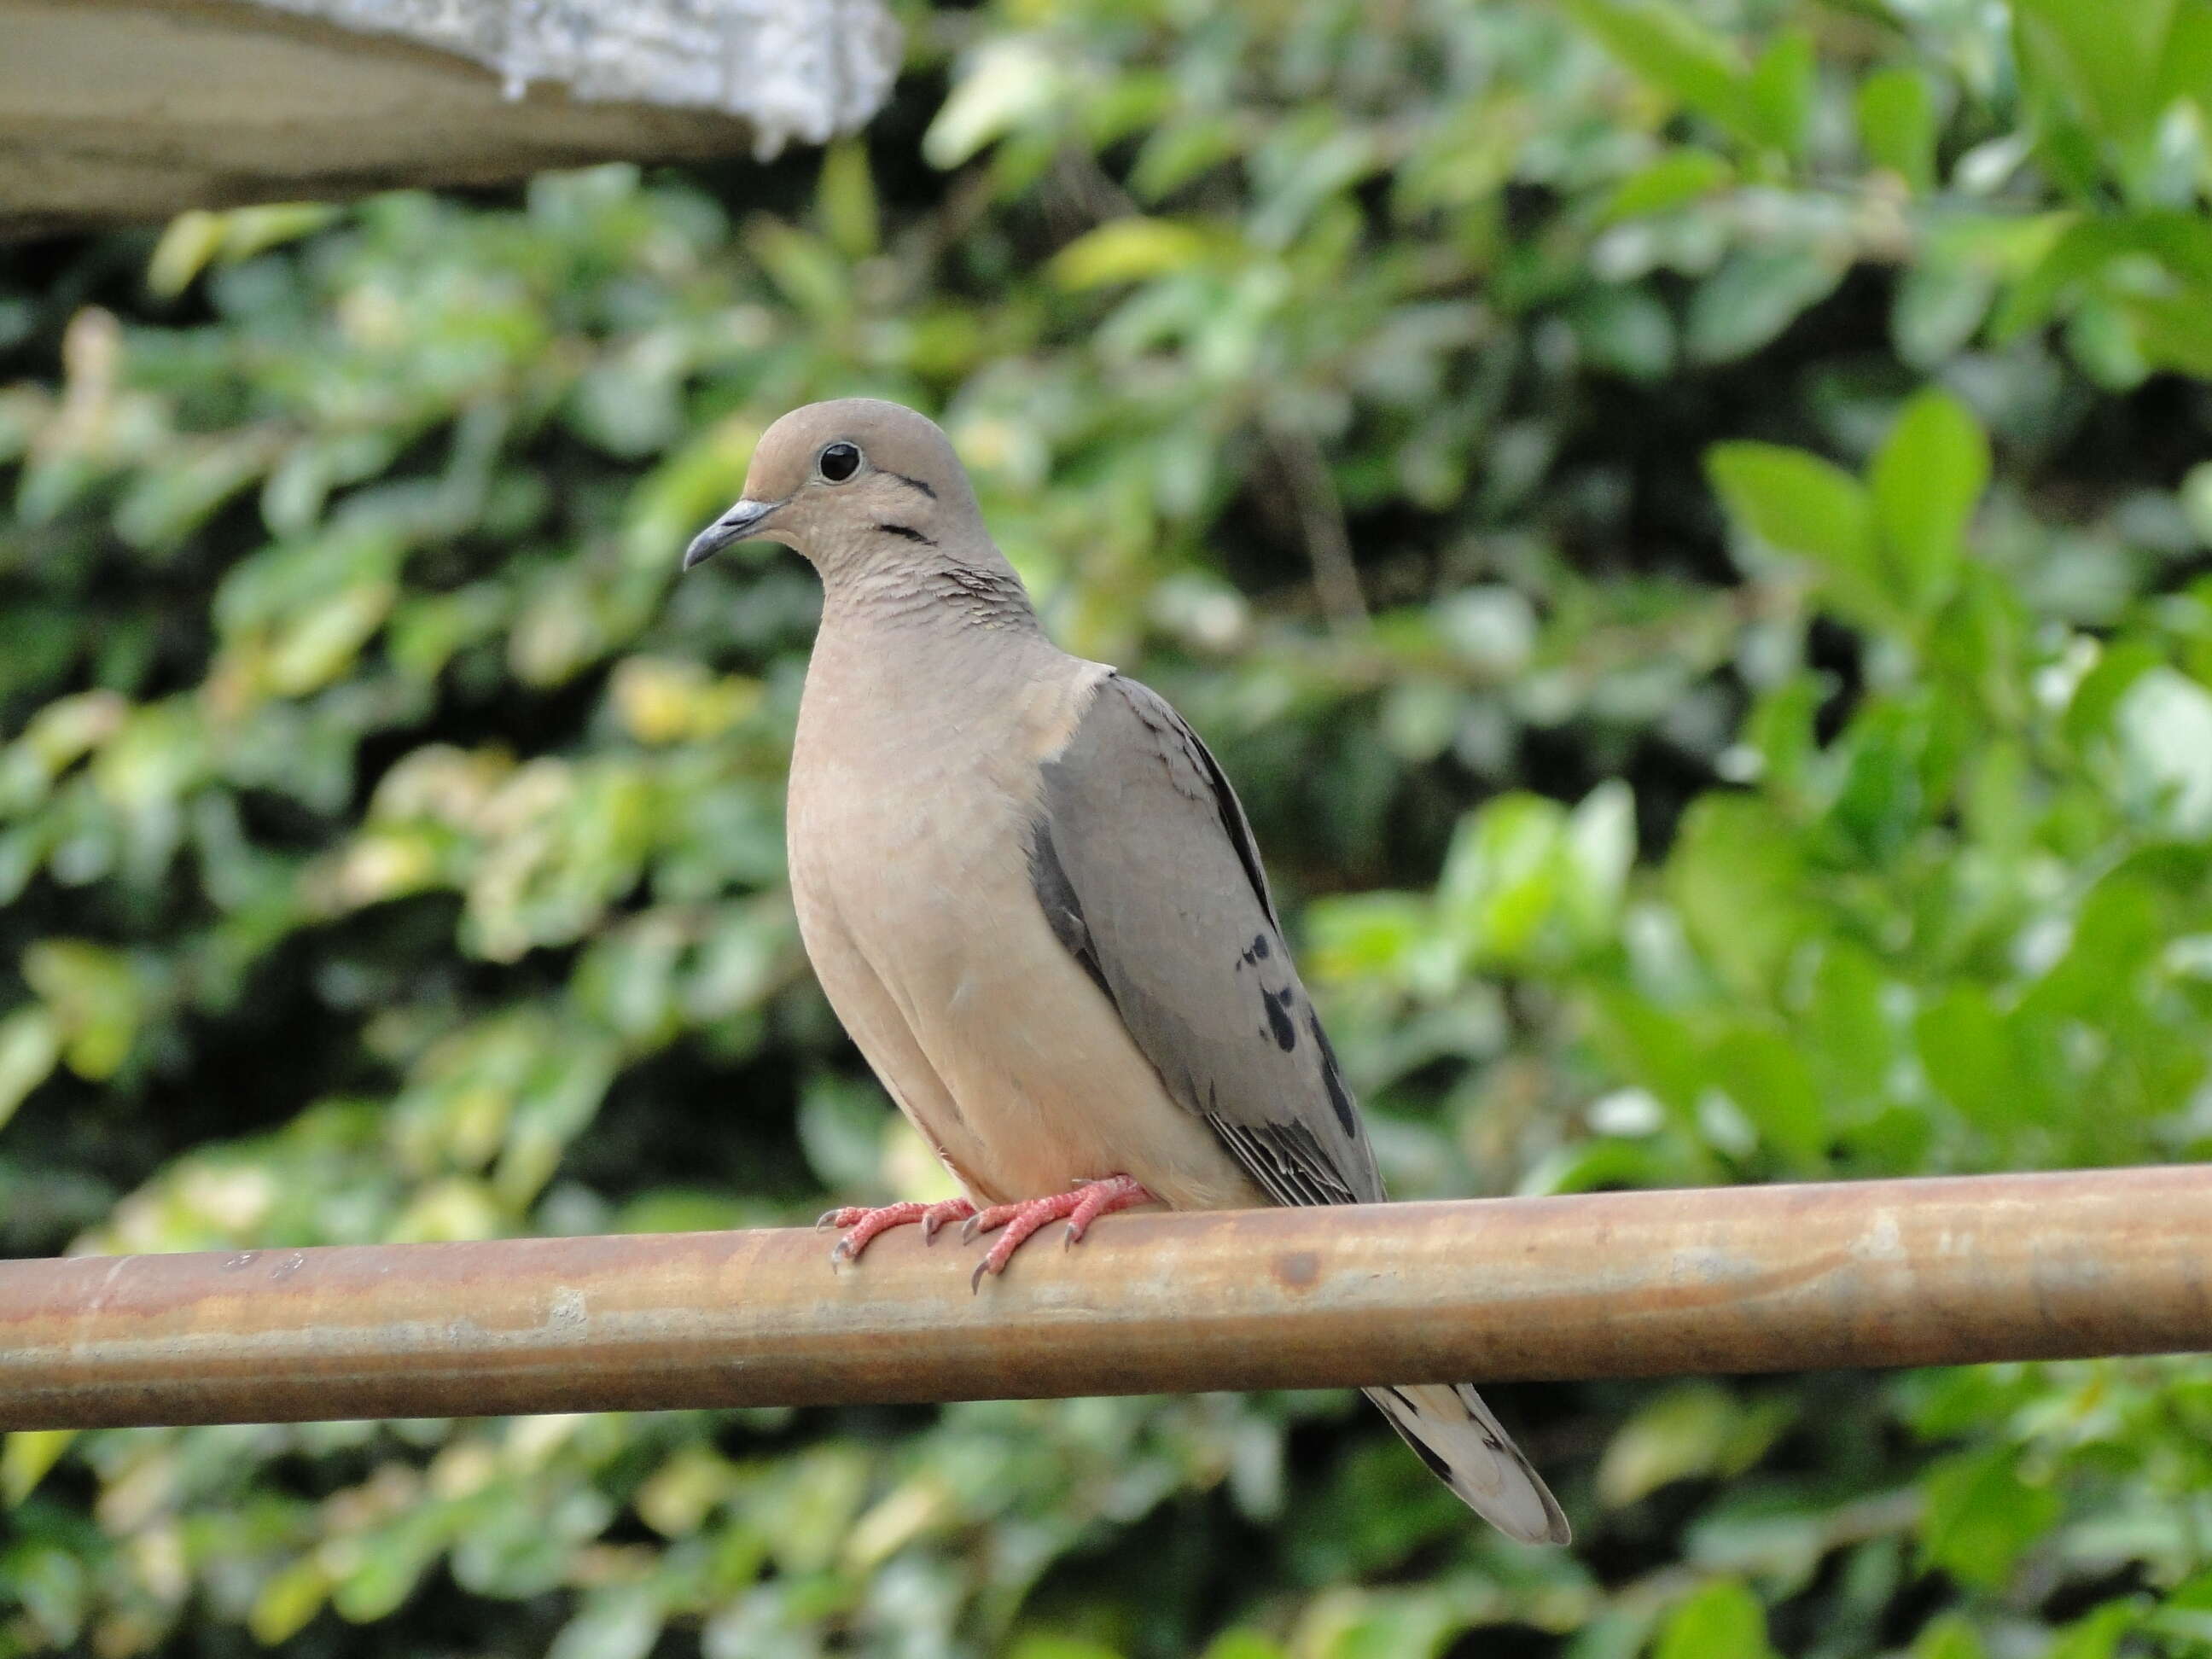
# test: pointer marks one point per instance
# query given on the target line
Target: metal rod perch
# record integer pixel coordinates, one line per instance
(1753, 1279)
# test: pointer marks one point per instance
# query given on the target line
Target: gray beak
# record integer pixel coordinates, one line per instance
(734, 526)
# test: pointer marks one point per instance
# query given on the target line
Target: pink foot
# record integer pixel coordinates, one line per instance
(864, 1225)
(1082, 1206)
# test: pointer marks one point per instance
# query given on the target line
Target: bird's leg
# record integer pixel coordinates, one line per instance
(1081, 1206)
(863, 1224)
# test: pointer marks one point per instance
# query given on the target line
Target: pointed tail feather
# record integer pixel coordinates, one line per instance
(1454, 1433)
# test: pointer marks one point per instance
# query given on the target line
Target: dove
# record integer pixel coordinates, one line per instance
(1033, 899)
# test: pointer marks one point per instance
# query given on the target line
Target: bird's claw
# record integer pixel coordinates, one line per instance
(1081, 1206)
(863, 1225)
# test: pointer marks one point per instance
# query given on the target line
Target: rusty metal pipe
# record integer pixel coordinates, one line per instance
(1884, 1273)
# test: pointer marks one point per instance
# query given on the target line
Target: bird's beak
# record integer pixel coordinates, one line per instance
(734, 526)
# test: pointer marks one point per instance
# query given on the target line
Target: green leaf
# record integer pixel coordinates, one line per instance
(1981, 1516)
(1723, 1620)
(1897, 125)
(1505, 877)
(188, 242)
(1765, 1075)
(2086, 252)
(1242, 1644)
(1926, 479)
(1044, 1646)
(1603, 1164)
(2196, 497)
(30, 1044)
(1794, 503)
(94, 1000)
(288, 1600)
(1690, 1429)
(841, 1123)
(1679, 1433)
(1778, 93)
(1800, 504)
(1127, 251)
(1737, 876)
(2172, 331)
(2105, 59)
(1627, 331)
(1669, 47)
(1981, 1060)
(1947, 1636)
(1755, 296)
(2184, 68)
(2097, 1634)
(1649, 1045)
(27, 1457)
(808, 272)
(2163, 723)
(846, 198)
(1845, 1031)
(620, 1623)
(1008, 82)
(1675, 179)
(2119, 928)
(2102, 334)
(1940, 304)
(1180, 151)
(382, 1573)
(2096, 700)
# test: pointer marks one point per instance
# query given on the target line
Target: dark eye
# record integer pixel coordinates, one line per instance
(838, 462)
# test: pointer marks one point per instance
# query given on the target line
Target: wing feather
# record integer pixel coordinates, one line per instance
(1142, 858)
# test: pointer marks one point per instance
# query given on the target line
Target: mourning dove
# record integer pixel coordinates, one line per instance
(1033, 899)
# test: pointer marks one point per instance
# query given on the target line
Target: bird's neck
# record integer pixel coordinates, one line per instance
(942, 595)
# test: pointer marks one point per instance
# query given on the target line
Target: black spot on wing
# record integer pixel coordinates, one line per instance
(1339, 1098)
(1056, 895)
(1278, 1004)
(1422, 1449)
(908, 531)
(1259, 947)
(1468, 1403)
(1437, 1467)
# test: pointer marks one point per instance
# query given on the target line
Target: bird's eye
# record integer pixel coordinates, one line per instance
(838, 462)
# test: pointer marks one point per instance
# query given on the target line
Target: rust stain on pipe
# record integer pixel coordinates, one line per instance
(1896, 1273)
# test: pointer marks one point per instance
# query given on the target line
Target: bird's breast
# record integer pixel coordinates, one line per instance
(913, 843)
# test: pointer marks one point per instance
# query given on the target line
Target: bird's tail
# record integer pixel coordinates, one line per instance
(1447, 1425)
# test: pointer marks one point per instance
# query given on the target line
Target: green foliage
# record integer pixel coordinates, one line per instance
(1777, 744)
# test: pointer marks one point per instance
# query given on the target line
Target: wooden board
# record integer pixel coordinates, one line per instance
(121, 111)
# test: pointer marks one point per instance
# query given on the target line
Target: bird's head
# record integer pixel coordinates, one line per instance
(845, 483)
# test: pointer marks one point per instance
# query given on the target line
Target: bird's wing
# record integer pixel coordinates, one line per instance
(1145, 864)
(1142, 860)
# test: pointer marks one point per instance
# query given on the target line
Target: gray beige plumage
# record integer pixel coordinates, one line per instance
(1032, 897)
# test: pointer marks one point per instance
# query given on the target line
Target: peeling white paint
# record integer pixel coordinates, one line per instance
(807, 69)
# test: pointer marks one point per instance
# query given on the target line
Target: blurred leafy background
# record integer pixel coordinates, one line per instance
(1688, 518)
